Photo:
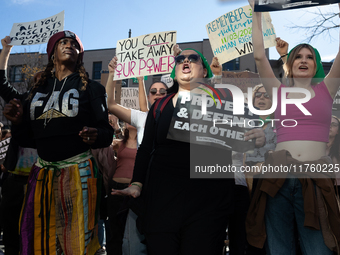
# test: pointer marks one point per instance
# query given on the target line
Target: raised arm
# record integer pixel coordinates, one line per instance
(114, 108)
(143, 101)
(7, 91)
(6, 50)
(282, 49)
(332, 79)
(262, 63)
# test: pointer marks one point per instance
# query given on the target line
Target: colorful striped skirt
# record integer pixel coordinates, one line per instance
(60, 211)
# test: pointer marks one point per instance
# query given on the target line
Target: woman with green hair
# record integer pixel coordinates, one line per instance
(182, 215)
(299, 198)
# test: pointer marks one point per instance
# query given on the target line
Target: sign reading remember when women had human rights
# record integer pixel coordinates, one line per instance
(145, 55)
(230, 35)
(280, 5)
(36, 32)
(216, 127)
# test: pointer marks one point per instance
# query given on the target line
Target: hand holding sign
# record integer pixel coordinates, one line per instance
(5, 43)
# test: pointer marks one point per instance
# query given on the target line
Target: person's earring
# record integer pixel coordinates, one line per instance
(52, 58)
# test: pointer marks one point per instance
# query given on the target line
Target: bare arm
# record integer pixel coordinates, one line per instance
(143, 102)
(114, 108)
(6, 50)
(263, 66)
(282, 49)
(332, 79)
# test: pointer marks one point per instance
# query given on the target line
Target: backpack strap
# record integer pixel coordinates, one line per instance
(159, 106)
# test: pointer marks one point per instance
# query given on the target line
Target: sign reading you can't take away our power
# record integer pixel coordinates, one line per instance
(280, 5)
(145, 55)
(37, 32)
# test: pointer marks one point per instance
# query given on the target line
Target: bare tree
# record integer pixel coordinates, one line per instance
(321, 23)
(33, 63)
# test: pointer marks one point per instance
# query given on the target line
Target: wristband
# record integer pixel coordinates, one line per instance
(284, 55)
(218, 76)
(135, 185)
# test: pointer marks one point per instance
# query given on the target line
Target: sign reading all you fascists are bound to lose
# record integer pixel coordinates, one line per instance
(280, 5)
(145, 55)
(230, 35)
(37, 32)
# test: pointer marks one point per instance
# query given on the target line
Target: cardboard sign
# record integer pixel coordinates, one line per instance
(189, 125)
(129, 98)
(280, 5)
(243, 80)
(3, 149)
(37, 32)
(145, 55)
(230, 35)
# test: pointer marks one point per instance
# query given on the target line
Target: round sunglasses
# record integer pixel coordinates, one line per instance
(193, 58)
(153, 91)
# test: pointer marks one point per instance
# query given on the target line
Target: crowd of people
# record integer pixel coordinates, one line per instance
(71, 173)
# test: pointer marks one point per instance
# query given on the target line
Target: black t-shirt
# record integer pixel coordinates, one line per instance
(54, 118)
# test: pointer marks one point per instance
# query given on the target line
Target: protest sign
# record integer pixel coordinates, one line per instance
(3, 149)
(167, 80)
(145, 55)
(129, 98)
(37, 32)
(242, 80)
(218, 127)
(230, 35)
(280, 5)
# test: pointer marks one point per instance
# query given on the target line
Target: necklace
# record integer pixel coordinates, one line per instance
(49, 108)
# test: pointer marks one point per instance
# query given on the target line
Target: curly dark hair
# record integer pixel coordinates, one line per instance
(48, 72)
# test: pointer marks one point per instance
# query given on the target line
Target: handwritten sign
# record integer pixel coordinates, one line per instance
(129, 98)
(3, 149)
(145, 55)
(217, 128)
(279, 5)
(37, 32)
(230, 35)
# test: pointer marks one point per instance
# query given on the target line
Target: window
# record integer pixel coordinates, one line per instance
(97, 67)
(232, 65)
(15, 74)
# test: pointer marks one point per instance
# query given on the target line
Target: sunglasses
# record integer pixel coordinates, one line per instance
(259, 94)
(161, 91)
(193, 58)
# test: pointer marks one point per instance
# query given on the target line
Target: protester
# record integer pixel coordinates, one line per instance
(66, 114)
(126, 150)
(180, 213)
(132, 238)
(333, 147)
(280, 202)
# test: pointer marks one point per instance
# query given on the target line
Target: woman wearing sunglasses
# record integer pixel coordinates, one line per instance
(183, 215)
(303, 199)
